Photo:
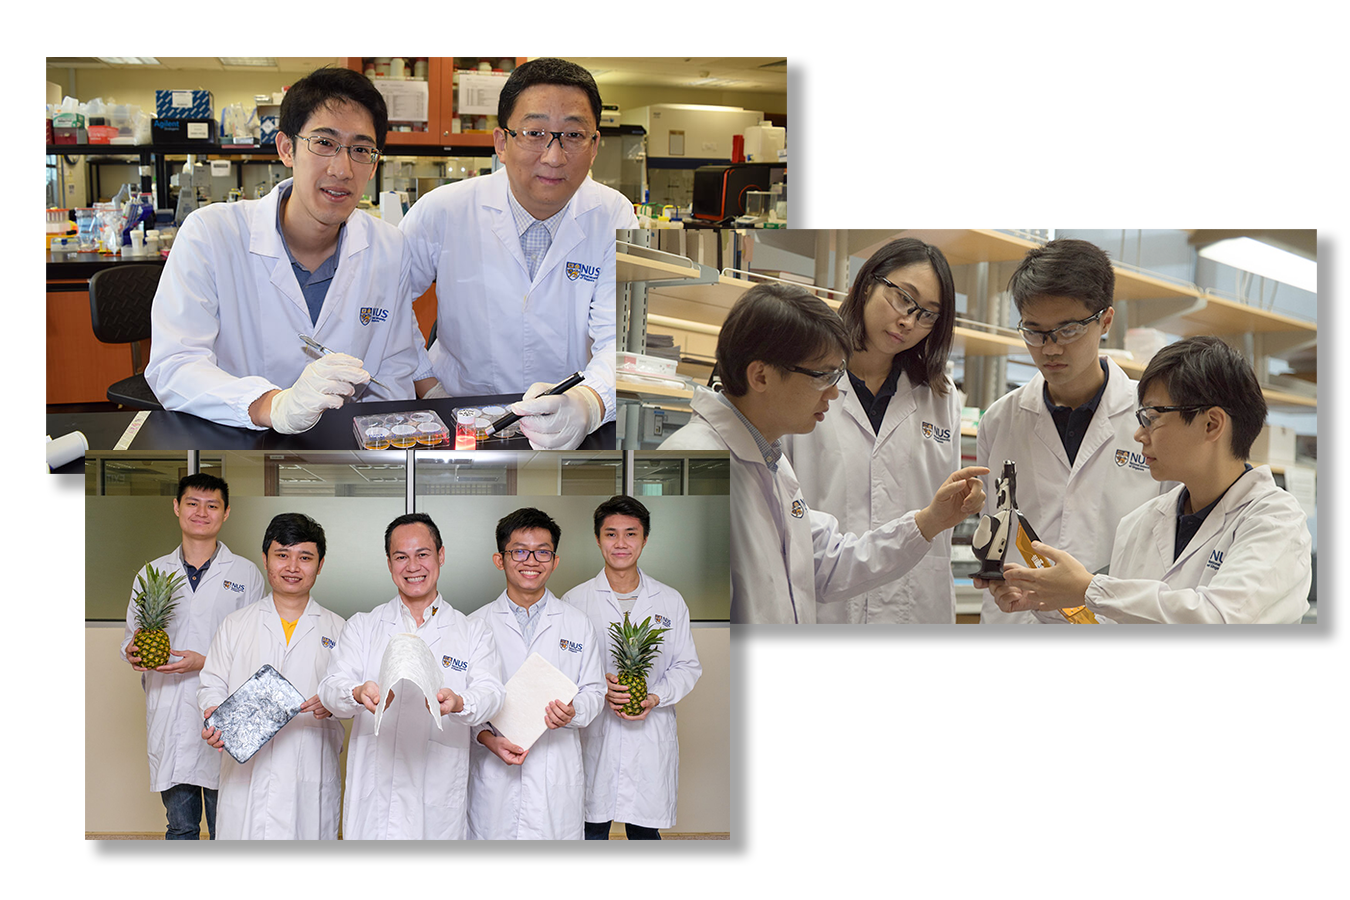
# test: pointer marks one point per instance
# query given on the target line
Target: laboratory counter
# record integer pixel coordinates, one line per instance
(72, 271)
(164, 432)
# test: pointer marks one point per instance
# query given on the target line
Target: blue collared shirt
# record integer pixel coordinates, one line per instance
(314, 285)
(1072, 423)
(534, 242)
(771, 452)
(1188, 525)
(528, 618)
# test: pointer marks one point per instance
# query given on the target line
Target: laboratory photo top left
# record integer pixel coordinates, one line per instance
(434, 267)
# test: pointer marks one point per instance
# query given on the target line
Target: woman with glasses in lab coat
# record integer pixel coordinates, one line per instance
(895, 434)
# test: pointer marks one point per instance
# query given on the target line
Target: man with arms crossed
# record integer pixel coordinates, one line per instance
(184, 770)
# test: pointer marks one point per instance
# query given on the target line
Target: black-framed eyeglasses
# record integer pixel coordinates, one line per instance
(327, 147)
(906, 306)
(542, 556)
(1064, 334)
(1147, 422)
(822, 380)
(537, 141)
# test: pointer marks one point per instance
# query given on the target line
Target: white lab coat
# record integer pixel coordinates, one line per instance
(633, 768)
(784, 555)
(543, 798)
(173, 727)
(411, 781)
(497, 331)
(865, 478)
(1075, 509)
(228, 309)
(1250, 562)
(289, 789)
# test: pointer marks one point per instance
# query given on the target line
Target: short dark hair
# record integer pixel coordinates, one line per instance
(1203, 370)
(546, 70)
(1065, 267)
(412, 519)
(925, 362)
(289, 529)
(622, 505)
(332, 86)
(204, 482)
(523, 519)
(779, 324)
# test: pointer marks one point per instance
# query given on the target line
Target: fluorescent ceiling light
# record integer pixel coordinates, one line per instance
(1253, 256)
(247, 60)
(129, 60)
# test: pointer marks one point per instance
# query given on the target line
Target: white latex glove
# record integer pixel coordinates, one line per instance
(437, 392)
(324, 384)
(560, 422)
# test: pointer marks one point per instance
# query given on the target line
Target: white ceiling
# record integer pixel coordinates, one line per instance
(756, 74)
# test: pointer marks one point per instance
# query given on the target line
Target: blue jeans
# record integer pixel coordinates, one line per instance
(183, 803)
(599, 831)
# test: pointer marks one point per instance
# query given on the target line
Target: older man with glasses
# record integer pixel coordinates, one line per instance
(245, 280)
(523, 261)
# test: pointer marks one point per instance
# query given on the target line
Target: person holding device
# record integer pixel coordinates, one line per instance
(1225, 546)
(1070, 429)
(780, 352)
(896, 434)
(246, 280)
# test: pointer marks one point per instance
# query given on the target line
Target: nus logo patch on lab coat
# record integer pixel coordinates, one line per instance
(569, 646)
(457, 665)
(328, 642)
(1133, 461)
(577, 270)
(373, 314)
(661, 620)
(1215, 560)
(798, 510)
(234, 586)
(933, 433)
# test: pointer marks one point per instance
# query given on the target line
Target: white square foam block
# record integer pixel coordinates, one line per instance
(535, 684)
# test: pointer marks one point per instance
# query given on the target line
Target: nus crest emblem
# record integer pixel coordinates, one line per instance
(1122, 456)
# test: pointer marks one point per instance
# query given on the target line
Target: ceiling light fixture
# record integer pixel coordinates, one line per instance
(1251, 255)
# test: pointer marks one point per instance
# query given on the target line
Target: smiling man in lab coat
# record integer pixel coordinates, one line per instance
(183, 769)
(1227, 546)
(289, 789)
(410, 781)
(539, 793)
(633, 762)
(523, 260)
(245, 279)
(780, 352)
(1070, 429)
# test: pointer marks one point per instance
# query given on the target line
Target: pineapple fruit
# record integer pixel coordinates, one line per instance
(634, 648)
(154, 608)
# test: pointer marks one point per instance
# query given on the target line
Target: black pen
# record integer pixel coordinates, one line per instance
(510, 419)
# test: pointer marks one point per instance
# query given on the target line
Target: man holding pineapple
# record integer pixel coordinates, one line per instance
(179, 601)
(538, 793)
(631, 756)
(410, 782)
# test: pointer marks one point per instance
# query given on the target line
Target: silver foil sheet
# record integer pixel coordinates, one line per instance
(252, 715)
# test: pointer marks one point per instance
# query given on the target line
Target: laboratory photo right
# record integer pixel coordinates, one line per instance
(984, 426)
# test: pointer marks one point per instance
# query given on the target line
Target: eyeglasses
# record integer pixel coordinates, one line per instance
(538, 141)
(542, 556)
(923, 318)
(322, 146)
(822, 380)
(1064, 334)
(1147, 422)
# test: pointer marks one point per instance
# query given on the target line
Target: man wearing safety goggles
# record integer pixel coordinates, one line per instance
(1070, 429)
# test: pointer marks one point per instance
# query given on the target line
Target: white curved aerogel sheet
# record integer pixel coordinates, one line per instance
(408, 658)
